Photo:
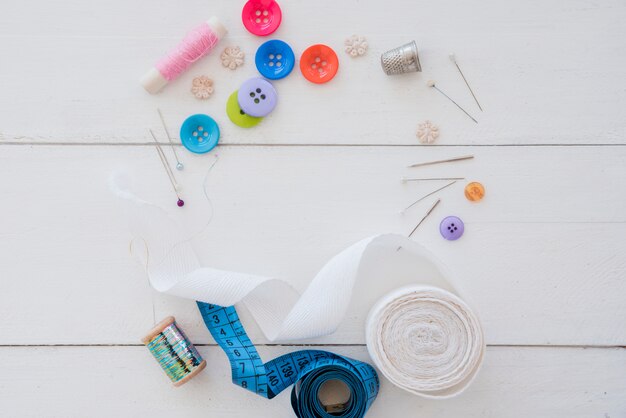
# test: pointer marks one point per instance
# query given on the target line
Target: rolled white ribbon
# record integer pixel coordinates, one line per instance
(425, 340)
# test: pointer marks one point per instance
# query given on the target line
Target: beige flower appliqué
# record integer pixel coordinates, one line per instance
(427, 132)
(232, 57)
(202, 87)
(356, 46)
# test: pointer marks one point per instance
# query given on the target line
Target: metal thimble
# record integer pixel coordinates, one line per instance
(400, 60)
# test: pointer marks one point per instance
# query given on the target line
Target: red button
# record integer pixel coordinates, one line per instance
(261, 17)
(319, 64)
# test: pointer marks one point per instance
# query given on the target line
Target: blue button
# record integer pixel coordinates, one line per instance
(199, 133)
(274, 59)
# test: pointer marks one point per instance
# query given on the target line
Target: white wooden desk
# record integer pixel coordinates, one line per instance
(542, 261)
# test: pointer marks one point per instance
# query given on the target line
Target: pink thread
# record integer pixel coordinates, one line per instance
(199, 42)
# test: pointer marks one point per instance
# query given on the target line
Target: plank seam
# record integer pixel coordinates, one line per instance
(294, 145)
(556, 346)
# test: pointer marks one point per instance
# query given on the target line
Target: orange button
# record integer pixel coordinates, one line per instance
(319, 63)
(474, 191)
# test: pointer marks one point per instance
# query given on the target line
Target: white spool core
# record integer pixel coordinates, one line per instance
(153, 81)
(217, 27)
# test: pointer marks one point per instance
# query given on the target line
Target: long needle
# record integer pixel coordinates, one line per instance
(449, 160)
(179, 165)
(164, 161)
(431, 83)
(453, 59)
(425, 216)
(407, 179)
(425, 196)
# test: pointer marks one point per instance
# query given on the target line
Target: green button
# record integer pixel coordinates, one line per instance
(238, 116)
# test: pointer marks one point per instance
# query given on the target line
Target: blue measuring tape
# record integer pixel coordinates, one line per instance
(309, 368)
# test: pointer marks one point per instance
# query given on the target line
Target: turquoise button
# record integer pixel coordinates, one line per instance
(199, 133)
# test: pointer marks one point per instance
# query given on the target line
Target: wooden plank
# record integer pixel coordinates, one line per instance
(126, 381)
(546, 72)
(542, 260)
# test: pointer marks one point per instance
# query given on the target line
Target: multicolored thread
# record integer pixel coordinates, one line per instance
(176, 355)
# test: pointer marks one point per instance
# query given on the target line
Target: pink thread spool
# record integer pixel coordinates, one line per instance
(198, 43)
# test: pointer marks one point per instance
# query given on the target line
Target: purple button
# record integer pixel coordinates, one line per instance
(257, 97)
(451, 228)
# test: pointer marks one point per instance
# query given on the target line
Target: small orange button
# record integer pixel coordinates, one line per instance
(474, 191)
(319, 64)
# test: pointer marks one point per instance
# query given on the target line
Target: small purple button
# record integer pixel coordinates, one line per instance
(257, 97)
(451, 228)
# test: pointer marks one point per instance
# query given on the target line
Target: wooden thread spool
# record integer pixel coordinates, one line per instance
(176, 355)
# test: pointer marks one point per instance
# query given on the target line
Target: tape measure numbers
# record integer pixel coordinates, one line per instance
(309, 367)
